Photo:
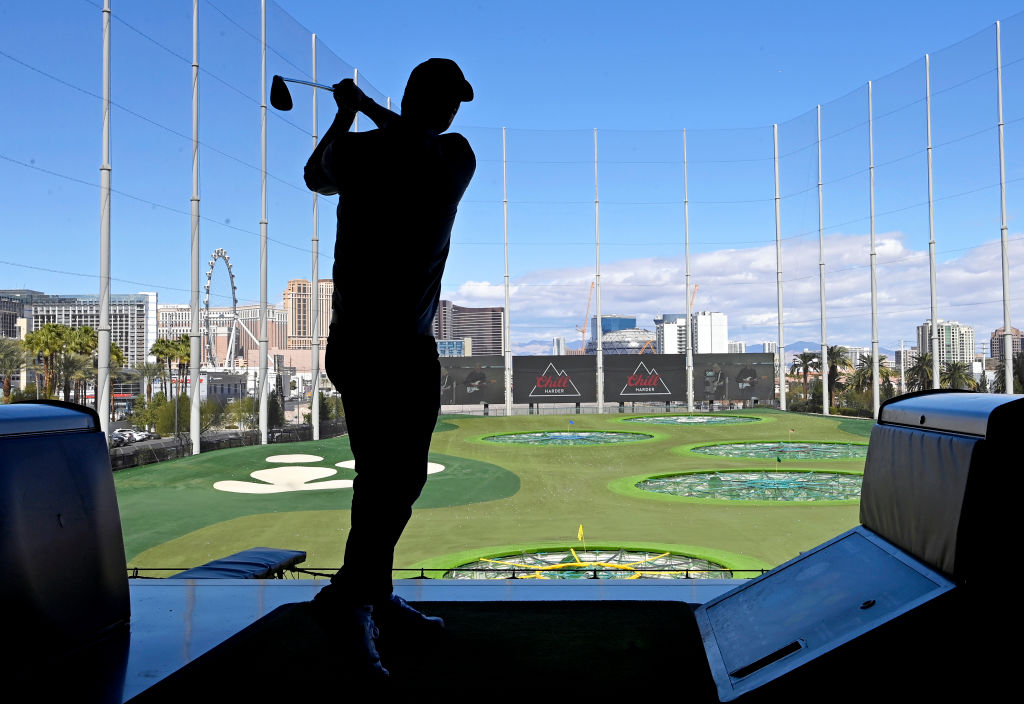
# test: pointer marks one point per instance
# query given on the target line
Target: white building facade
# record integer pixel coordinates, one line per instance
(956, 341)
(710, 332)
(670, 332)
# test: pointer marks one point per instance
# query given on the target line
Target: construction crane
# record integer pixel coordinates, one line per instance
(586, 318)
(693, 295)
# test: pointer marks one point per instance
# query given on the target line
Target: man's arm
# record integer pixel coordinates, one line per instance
(315, 176)
(349, 99)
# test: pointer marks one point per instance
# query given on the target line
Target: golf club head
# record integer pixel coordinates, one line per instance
(280, 96)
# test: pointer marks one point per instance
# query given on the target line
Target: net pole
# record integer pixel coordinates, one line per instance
(934, 328)
(874, 280)
(314, 304)
(507, 327)
(355, 79)
(598, 328)
(903, 368)
(686, 291)
(103, 331)
(821, 280)
(1003, 234)
(262, 388)
(778, 271)
(194, 332)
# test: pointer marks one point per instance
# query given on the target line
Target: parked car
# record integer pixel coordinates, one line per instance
(119, 439)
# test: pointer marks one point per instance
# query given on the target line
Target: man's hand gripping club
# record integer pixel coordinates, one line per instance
(350, 98)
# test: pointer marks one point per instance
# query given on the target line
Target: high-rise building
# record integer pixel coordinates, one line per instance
(483, 326)
(907, 356)
(769, 347)
(710, 332)
(996, 343)
(737, 347)
(298, 306)
(956, 341)
(854, 353)
(11, 308)
(277, 327)
(175, 320)
(133, 319)
(558, 346)
(670, 332)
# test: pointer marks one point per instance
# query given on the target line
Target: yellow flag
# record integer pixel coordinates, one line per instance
(579, 535)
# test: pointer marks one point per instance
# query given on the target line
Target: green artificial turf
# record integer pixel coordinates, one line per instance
(160, 502)
(490, 494)
(857, 426)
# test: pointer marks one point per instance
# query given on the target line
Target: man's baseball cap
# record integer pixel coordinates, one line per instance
(442, 75)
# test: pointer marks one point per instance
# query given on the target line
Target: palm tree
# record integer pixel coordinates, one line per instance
(150, 371)
(164, 349)
(12, 359)
(117, 360)
(83, 340)
(999, 379)
(805, 363)
(183, 354)
(861, 379)
(919, 375)
(78, 370)
(47, 342)
(838, 361)
(957, 375)
(65, 365)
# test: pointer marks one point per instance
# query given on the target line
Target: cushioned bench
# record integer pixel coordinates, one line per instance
(254, 563)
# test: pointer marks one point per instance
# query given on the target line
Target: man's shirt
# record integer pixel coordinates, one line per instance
(398, 192)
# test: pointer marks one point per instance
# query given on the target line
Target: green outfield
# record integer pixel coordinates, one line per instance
(485, 498)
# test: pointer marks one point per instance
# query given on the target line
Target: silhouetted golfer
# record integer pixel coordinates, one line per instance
(398, 190)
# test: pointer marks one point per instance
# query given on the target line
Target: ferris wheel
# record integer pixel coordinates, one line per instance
(231, 320)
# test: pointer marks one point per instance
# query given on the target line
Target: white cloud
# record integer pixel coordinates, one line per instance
(741, 283)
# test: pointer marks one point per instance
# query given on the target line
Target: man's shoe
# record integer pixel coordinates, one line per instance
(353, 628)
(396, 612)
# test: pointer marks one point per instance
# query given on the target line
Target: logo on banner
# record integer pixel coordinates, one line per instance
(553, 382)
(645, 382)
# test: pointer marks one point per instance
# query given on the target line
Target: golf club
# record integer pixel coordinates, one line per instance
(281, 98)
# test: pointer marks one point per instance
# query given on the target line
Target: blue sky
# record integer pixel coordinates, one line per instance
(550, 72)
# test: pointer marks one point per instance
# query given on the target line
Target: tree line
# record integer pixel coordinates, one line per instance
(850, 381)
(66, 358)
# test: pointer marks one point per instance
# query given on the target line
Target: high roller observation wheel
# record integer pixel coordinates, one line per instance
(211, 349)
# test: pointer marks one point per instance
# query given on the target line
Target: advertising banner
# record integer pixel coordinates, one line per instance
(563, 379)
(645, 377)
(733, 377)
(466, 380)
